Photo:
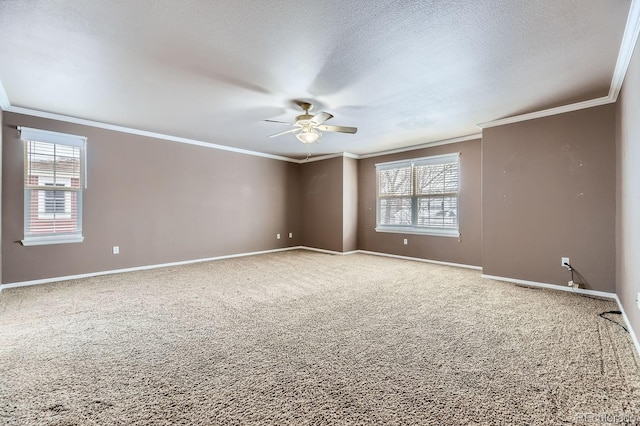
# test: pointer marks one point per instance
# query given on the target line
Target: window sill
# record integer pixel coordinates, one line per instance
(58, 239)
(430, 232)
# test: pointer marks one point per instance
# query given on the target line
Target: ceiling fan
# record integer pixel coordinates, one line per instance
(307, 127)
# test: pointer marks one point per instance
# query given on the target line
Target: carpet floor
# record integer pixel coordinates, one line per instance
(304, 338)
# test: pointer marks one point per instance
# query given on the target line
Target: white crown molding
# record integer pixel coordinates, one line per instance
(629, 40)
(4, 99)
(350, 155)
(627, 46)
(548, 112)
(321, 157)
(329, 156)
(424, 145)
(122, 129)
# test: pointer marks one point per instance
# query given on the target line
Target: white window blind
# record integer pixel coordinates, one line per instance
(419, 195)
(53, 185)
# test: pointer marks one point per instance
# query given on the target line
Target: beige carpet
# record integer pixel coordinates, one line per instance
(307, 338)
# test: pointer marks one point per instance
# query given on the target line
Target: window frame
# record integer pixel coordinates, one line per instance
(415, 198)
(37, 210)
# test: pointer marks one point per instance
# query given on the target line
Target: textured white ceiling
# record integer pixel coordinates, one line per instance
(404, 72)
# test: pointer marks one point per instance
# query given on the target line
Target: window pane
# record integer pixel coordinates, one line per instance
(438, 212)
(52, 212)
(54, 202)
(395, 211)
(54, 161)
(395, 182)
(437, 179)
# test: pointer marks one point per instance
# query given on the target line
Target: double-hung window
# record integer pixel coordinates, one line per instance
(419, 195)
(54, 178)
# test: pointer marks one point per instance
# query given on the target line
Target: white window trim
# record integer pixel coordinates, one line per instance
(52, 239)
(30, 134)
(399, 229)
(411, 229)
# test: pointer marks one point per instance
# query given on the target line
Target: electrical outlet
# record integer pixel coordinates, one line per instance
(278, 236)
(565, 262)
(571, 283)
(116, 249)
(290, 234)
(406, 241)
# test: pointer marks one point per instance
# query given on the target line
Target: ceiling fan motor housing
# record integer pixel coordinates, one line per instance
(303, 118)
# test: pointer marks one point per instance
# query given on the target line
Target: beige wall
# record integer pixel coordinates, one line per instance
(330, 204)
(350, 205)
(322, 209)
(465, 250)
(628, 193)
(548, 192)
(538, 190)
(159, 201)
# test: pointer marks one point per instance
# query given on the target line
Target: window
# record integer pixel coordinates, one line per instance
(53, 183)
(419, 196)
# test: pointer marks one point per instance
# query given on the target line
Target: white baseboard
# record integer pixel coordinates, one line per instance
(416, 259)
(139, 268)
(603, 294)
(319, 250)
(419, 259)
(552, 286)
(629, 328)
(186, 262)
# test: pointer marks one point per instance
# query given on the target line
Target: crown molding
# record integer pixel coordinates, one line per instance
(548, 112)
(329, 156)
(122, 129)
(4, 99)
(424, 145)
(627, 46)
(629, 40)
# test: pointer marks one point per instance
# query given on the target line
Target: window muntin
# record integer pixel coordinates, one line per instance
(53, 185)
(419, 195)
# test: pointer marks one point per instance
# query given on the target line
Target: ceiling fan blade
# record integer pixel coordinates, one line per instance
(341, 129)
(285, 132)
(321, 117)
(278, 122)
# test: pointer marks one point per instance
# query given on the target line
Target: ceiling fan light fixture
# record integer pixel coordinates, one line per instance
(307, 127)
(308, 135)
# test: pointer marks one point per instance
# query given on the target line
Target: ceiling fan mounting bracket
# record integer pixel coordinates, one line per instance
(305, 106)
